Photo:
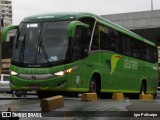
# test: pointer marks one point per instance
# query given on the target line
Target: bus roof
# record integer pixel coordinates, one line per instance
(77, 15)
(58, 16)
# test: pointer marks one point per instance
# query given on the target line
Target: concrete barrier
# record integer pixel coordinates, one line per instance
(145, 97)
(89, 97)
(118, 96)
(51, 103)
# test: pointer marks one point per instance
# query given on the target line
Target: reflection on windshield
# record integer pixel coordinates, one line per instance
(41, 43)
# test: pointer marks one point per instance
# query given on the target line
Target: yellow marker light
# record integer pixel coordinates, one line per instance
(69, 70)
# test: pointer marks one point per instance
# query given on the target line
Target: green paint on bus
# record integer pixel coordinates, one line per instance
(81, 52)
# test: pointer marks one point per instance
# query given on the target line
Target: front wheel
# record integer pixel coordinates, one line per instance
(20, 93)
(93, 85)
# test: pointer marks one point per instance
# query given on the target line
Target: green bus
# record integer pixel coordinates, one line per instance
(81, 52)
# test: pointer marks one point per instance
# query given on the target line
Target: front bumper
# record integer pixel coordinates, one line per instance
(58, 83)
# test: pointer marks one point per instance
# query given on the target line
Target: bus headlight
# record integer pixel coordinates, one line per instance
(61, 73)
(13, 73)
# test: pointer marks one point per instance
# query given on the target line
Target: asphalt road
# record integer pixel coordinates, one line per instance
(75, 109)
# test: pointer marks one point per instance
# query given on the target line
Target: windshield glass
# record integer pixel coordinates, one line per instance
(41, 43)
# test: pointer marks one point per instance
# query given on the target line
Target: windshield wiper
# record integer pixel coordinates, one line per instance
(22, 47)
(44, 53)
(40, 47)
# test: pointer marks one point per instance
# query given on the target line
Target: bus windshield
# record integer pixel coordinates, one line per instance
(38, 44)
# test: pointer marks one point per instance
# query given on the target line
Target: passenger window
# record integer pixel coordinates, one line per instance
(114, 41)
(80, 45)
(77, 48)
(144, 52)
(136, 49)
(153, 53)
(127, 46)
(104, 37)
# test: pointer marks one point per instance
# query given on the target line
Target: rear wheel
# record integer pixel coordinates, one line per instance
(143, 88)
(142, 91)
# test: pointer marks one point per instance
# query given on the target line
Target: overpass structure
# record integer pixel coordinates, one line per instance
(145, 23)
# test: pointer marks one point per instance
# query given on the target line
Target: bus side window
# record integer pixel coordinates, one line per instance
(153, 53)
(144, 52)
(141, 51)
(127, 46)
(114, 41)
(104, 37)
(80, 44)
(136, 49)
(104, 41)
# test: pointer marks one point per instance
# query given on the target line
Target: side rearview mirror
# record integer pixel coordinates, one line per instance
(6, 30)
(78, 32)
(72, 27)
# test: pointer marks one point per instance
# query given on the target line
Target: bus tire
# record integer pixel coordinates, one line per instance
(154, 95)
(93, 85)
(143, 88)
(40, 94)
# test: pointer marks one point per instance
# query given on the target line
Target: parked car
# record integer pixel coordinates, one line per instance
(5, 87)
(4, 83)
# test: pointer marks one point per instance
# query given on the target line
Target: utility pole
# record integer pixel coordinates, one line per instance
(151, 4)
(0, 41)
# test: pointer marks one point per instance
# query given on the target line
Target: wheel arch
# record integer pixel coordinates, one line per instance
(98, 77)
(143, 82)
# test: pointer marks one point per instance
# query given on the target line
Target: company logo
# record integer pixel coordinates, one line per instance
(6, 114)
(130, 64)
(18, 114)
(114, 60)
(33, 77)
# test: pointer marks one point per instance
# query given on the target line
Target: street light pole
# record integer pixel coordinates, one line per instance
(151, 4)
(0, 41)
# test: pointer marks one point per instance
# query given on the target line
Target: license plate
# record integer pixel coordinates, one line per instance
(34, 87)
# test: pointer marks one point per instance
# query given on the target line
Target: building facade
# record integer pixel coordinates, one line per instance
(6, 12)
